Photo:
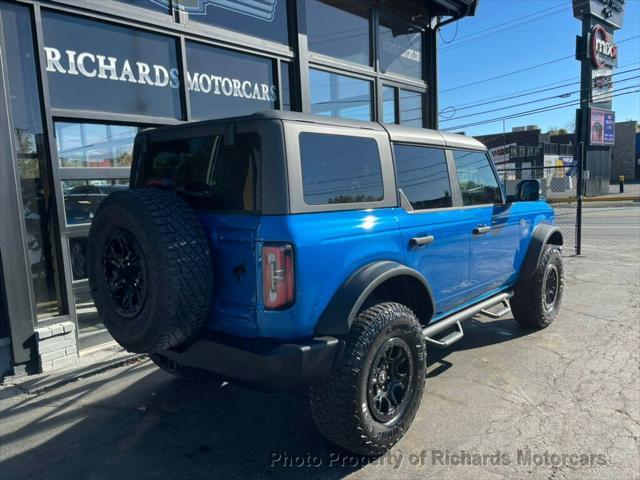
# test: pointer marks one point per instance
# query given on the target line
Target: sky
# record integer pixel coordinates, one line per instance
(467, 57)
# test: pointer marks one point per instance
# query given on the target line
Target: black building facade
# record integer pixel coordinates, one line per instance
(79, 78)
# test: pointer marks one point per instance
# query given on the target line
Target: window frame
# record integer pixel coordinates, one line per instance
(294, 167)
(402, 198)
(493, 170)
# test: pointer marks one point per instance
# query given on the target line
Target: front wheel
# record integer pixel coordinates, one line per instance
(369, 402)
(536, 301)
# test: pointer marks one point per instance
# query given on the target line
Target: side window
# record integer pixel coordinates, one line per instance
(478, 183)
(423, 176)
(204, 171)
(340, 169)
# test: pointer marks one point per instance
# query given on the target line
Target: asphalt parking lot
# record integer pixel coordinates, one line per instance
(505, 401)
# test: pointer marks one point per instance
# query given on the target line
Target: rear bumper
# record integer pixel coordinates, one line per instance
(263, 364)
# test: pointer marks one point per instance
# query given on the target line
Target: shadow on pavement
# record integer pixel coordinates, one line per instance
(139, 422)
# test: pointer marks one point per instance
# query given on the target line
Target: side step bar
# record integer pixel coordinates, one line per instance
(454, 320)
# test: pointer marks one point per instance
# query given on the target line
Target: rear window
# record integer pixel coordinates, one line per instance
(340, 169)
(205, 171)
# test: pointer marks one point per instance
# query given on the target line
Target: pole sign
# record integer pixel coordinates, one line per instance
(603, 127)
(609, 11)
(602, 85)
(604, 53)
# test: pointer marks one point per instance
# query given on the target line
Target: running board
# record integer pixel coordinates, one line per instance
(454, 320)
(499, 313)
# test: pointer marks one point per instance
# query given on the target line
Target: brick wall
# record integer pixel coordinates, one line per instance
(57, 346)
(623, 154)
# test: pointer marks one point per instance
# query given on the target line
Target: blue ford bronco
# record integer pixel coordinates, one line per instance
(282, 250)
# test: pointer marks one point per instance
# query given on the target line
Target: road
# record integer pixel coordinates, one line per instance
(563, 403)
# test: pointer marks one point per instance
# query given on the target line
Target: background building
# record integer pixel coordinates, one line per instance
(79, 78)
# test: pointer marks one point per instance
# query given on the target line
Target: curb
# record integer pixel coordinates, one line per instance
(37, 384)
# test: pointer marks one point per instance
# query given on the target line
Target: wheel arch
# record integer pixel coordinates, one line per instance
(383, 280)
(544, 234)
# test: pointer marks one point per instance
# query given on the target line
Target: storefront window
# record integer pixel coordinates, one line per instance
(339, 29)
(83, 197)
(37, 197)
(389, 104)
(224, 83)
(261, 18)
(411, 108)
(285, 103)
(339, 95)
(101, 67)
(94, 145)
(400, 47)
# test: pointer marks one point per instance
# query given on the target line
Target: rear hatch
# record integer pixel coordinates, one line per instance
(218, 181)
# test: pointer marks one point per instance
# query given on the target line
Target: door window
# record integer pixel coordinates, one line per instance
(478, 183)
(423, 176)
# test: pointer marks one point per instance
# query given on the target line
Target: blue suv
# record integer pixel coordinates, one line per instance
(282, 250)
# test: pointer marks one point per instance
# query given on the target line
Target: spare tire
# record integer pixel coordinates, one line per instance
(150, 269)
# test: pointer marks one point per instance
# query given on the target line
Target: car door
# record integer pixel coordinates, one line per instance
(434, 231)
(493, 229)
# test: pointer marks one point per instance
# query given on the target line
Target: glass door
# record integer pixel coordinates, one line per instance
(93, 161)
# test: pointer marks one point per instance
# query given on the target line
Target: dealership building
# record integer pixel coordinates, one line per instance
(79, 79)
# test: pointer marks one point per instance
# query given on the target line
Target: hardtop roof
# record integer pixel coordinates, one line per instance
(397, 133)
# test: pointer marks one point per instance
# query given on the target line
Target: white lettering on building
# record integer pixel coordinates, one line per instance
(90, 65)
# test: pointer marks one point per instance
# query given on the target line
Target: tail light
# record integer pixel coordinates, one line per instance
(277, 275)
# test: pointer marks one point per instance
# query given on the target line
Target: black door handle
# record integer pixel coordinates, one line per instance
(418, 241)
(481, 230)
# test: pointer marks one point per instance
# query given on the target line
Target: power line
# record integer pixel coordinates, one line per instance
(506, 27)
(531, 112)
(535, 101)
(526, 92)
(508, 74)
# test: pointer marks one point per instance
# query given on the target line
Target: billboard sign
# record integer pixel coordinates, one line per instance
(602, 127)
(609, 11)
(604, 53)
(601, 85)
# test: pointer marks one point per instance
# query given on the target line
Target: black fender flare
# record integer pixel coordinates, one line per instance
(339, 314)
(543, 235)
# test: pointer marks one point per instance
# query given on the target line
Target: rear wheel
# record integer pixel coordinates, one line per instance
(536, 301)
(368, 404)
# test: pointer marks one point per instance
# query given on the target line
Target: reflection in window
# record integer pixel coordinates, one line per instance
(339, 29)
(400, 47)
(83, 197)
(155, 5)
(478, 183)
(340, 96)
(78, 254)
(411, 109)
(261, 18)
(423, 176)
(388, 104)
(340, 169)
(37, 196)
(94, 145)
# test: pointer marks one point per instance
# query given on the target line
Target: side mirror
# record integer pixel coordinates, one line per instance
(528, 191)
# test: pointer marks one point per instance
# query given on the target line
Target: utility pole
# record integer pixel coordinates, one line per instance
(595, 120)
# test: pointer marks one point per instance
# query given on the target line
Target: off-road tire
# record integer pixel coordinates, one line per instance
(340, 404)
(176, 262)
(182, 371)
(529, 305)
